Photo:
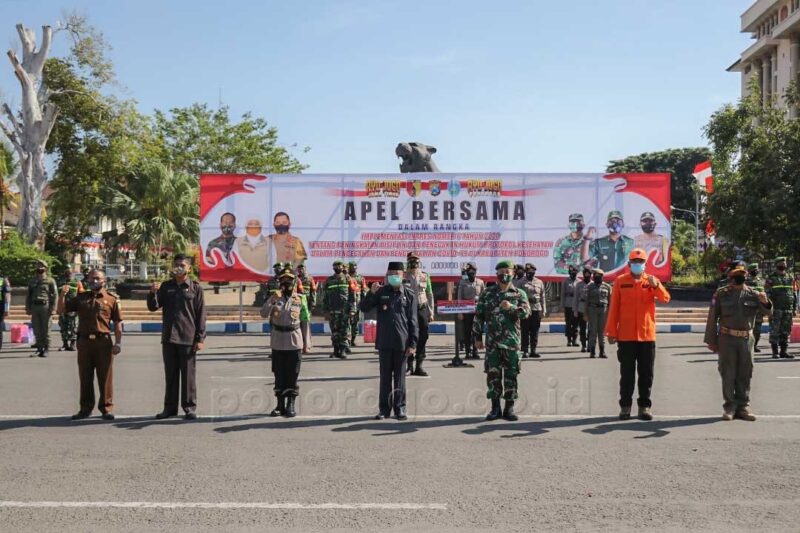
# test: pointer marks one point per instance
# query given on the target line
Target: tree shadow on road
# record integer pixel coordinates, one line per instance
(655, 428)
(534, 428)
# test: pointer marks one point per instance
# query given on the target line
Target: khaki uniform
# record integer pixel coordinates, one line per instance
(96, 312)
(40, 304)
(535, 291)
(734, 311)
(598, 297)
(286, 340)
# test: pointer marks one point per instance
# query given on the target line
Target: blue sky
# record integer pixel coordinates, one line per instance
(516, 86)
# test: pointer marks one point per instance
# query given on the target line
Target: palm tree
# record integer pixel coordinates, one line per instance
(158, 208)
(6, 196)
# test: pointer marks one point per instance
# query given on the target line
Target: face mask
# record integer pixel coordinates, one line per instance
(587, 278)
(753, 273)
(413, 264)
(471, 276)
(637, 268)
(616, 227)
(227, 230)
(649, 227)
(286, 286)
(781, 267)
(337, 270)
(738, 279)
(282, 230)
(519, 274)
(530, 275)
(352, 271)
(40, 270)
(395, 280)
(574, 226)
(504, 278)
(598, 279)
(573, 275)
(95, 285)
(178, 271)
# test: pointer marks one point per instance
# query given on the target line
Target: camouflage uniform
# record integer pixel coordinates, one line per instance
(68, 322)
(360, 292)
(502, 338)
(338, 300)
(224, 244)
(780, 292)
(567, 250)
(756, 283)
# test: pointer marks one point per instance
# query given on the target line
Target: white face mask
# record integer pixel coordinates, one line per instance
(253, 240)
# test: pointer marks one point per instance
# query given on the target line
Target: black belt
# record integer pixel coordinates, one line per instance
(285, 329)
(41, 302)
(93, 336)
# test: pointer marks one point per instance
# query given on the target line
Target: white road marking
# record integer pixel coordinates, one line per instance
(223, 505)
(788, 377)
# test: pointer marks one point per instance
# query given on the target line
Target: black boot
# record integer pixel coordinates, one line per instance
(71, 346)
(63, 347)
(583, 347)
(494, 414)
(347, 351)
(342, 353)
(591, 353)
(290, 412)
(774, 346)
(335, 353)
(602, 353)
(419, 371)
(280, 409)
(785, 352)
(525, 355)
(508, 412)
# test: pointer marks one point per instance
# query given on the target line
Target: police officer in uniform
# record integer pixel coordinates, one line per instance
(781, 294)
(420, 283)
(284, 309)
(567, 299)
(40, 303)
(469, 289)
(534, 290)
(598, 296)
(579, 305)
(729, 332)
(338, 302)
(68, 321)
(396, 339)
(360, 290)
(756, 282)
(96, 309)
(5, 297)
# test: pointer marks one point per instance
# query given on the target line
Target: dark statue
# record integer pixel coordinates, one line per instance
(416, 157)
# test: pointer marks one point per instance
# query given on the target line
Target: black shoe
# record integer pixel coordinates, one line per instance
(603, 355)
(774, 346)
(401, 415)
(191, 415)
(80, 415)
(290, 412)
(494, 414)
(347, 350)
(353, 343)
(166, 414)
(70, 347)
(591, 354)
(380, 416)
(535, 355)
(43, 353)
(280, 408)
(508, 412)
(583, 348)
(107, 416)
(756, 349)
(419, 371)
(784, 354)
(525, 355)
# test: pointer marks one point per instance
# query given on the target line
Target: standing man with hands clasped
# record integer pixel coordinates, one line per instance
(734, 309)
(396, 337)
(183, 330)
(632, 322)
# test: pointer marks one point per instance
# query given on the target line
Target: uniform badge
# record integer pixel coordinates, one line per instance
(295, 315)
(385, 307)
(605, 258)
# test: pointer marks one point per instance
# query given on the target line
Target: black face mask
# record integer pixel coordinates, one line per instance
(753, 273)
(471, 276)
(587, 278)
(781, 267)
(519, 274)
(573, 275)
(352, 271)
(738, 279)
(649, 228)
(287, 286)
(227, 230)
(41, 270)
(282, 229)
(598, 279)
(530, 275)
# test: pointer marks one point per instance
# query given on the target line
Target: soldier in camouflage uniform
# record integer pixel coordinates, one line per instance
(310, 292)
(501, 307)
(567, 250)
(40, 303)
(756, 282)
(338, 300)
(780, 292)
(68, 322)
(360, 292)
(734, 309)
(598, 297)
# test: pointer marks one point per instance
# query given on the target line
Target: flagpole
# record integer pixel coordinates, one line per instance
(697, 221)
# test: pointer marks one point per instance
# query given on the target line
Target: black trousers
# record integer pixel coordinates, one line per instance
(286, 368)
(530, 331)
(569, 323)
(393, 381)
(423, 319)
(636, 357)
(469, 338)
(2, 329)
(180, 374)
(580, 325)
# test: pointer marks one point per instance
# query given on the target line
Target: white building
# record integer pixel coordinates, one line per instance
(774, 57)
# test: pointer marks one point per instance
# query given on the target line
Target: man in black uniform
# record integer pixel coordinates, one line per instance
(183, 330)
(396, 337)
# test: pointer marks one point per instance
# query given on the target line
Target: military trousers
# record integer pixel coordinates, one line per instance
(759, 322)
(180, 375)
(95, 358)
(468, 335)
(597, 316)
(502, 369)
(392, 392)
(286, 369)
(354, 320)
(530, 332)
(636, 358)
(67, 324)
(780, 326)
(736, 370)
(340, 330)
(40, 320)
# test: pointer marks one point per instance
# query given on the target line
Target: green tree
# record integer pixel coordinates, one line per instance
(756, 163)
(197, 139)
(158, 209)
(679, 162)
(6, 196)
(18, 258)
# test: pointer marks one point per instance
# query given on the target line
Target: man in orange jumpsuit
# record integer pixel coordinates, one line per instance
(632, 322)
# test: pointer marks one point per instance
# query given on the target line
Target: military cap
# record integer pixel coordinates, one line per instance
(338, 262)
(615, 214)
(576, 216)
(471, 266)
(352, 264)
(505, 263)
(637, 253)
(412, 255)
(780, 259)
(737, 267)
(647, 215)
(752, 266)
(277, 265)
(519, 266)
(42, 263)
(396, 265)
(599, 271)
(530, 266)
(587, 269)
(286, 273)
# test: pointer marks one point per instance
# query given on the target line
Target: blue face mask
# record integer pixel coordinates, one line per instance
(616, 227)
(395, 280)
(637, 268)
(464, 277)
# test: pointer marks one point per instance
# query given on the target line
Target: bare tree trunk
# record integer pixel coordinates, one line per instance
(29, 129)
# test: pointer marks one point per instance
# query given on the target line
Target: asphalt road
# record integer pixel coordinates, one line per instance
(567, 464)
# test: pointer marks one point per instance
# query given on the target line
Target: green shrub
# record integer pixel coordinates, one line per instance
(18, 258)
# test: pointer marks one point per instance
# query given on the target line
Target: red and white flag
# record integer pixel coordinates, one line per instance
(704, 176)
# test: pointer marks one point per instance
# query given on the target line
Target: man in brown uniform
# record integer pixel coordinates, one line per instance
(96, 310)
